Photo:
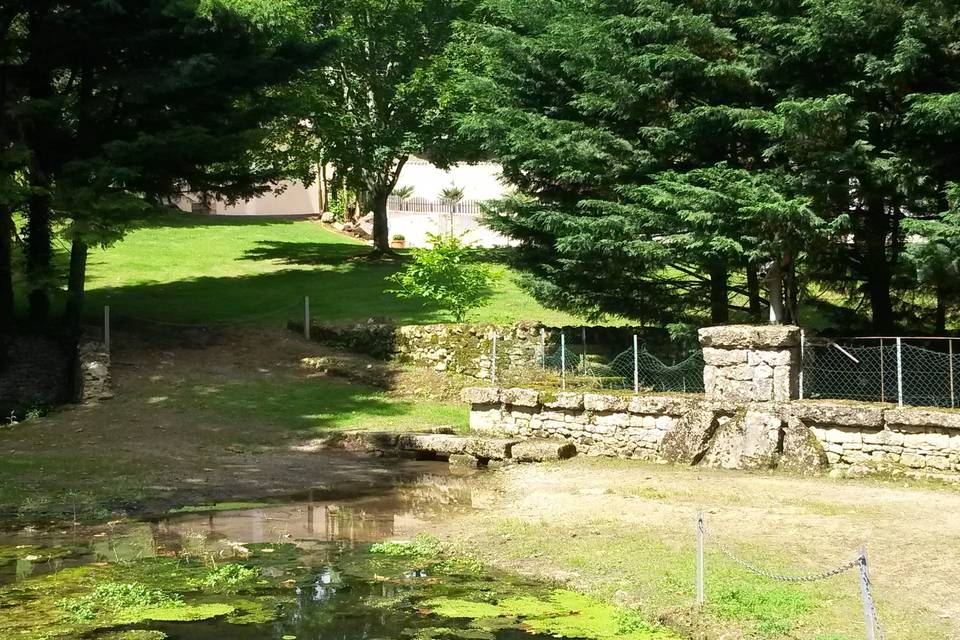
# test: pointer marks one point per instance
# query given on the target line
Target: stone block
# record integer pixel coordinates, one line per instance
(603, 402)
(802, 451)
(909, 417)
(521, 397)
(661, 405)
(540, 450)
(564, 400)
(440, 444)
(480, 395)
(490, 448)
(687, 441)
(838, 414)
(758, 337)
(488, 420)
(724, 357)
(762, 371)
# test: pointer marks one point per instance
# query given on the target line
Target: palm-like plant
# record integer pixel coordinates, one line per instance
(404, 193)
(452, 195)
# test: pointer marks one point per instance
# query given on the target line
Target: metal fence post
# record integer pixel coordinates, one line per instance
(583, 347)
(493, 365)
(543, 348)
(563, 360)
(636, 365)
(700, 593)
(803, 346)
(953, 399)
(899, 372)
(869, 610)
(306, 317)
(883, 381)
(106, 328)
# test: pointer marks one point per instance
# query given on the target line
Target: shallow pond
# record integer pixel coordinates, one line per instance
(305, 569)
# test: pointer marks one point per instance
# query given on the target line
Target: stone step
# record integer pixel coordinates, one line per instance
(460, 448)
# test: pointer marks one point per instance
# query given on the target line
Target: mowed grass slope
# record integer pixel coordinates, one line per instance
(255, 271)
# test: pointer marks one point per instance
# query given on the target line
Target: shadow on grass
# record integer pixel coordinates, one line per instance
(356, 291)
(315, 405)
(182, 219)
(307, 253)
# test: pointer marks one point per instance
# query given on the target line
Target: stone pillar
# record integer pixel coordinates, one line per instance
(746, 363)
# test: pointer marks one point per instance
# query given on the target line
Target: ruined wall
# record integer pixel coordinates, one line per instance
(801, 436)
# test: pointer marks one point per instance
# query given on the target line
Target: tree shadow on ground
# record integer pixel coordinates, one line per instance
(182, 219)
(353, 293)
(307, 253)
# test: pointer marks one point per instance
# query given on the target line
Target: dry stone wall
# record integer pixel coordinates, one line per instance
(751, 364)
(801, 436)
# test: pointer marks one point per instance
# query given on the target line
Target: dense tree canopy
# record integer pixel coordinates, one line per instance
(663, 149)
(110, 109)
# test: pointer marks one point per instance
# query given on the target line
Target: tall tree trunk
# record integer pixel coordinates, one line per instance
(753, 293)
(878, 273)
(941, 316)
(7, 311)
(381, 228)
(39, 250)
(719, 294)
(76, 283)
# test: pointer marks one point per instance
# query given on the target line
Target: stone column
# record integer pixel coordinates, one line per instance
(746, 363)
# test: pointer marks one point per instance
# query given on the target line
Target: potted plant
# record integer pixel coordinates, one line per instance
(398, 242)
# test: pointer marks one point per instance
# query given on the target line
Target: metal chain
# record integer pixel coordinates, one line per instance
(783, 578)
(881, 634)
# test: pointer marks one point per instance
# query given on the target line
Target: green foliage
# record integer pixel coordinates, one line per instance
(229, 579)
(662, 150)
(115, 597)
(448, 275)
(404, 193)
(421, 546)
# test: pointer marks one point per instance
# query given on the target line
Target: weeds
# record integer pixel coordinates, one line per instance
(114, 597)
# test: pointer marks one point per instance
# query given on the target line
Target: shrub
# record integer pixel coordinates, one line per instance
(447, 275)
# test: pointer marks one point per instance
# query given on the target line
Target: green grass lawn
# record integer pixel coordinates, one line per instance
(190, 269)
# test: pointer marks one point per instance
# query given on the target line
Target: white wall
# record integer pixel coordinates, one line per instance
(478, 181)
(295, 199)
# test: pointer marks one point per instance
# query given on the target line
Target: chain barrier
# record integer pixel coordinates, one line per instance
(875, 630)
(813, 577)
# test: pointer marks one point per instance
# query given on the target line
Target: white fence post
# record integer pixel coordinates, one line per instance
(563, 360)
(636, 365)
(306, 317)
(869, 610)
(543, 348)
(883, 380)
(583, 355)
(953, 399)
(493, 365)
(899, 372)
(106, 328)
(803, 346)
(700, 591)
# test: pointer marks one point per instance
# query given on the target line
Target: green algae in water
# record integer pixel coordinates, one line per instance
(561, 613)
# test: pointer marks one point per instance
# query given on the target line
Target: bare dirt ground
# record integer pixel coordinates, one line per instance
(155, 443)
(621, 529)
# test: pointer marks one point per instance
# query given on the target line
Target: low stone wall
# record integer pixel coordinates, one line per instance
(93, 384)
(801, 436)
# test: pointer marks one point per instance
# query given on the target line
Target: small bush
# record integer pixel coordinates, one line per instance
(447, 275)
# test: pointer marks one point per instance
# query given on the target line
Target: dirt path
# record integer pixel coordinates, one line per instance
(160, 442)
(625, 530)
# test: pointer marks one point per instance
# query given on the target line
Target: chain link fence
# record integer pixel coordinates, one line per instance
(570, 361)
(907, 371)
(874, 630)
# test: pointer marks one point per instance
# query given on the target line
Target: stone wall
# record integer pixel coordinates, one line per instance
(751, 363)
(93, 377)
(800, 436)
(467, 348)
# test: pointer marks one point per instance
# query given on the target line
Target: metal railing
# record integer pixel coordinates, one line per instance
(915, 371)
(424, 205)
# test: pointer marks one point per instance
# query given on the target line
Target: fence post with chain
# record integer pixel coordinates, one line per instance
(306, 317)
(899, 372)
(866, 595)
(700, 592)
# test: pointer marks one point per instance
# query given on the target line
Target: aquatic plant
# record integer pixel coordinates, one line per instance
(422, 545)
(114, 597)
(228, 579)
